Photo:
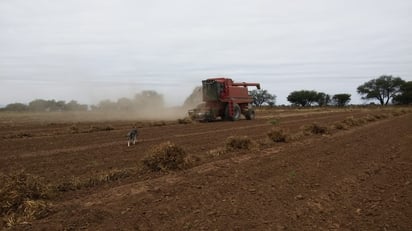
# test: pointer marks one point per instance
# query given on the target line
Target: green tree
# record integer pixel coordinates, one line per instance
(262, 96)
(405, 96)
(303, 97)
(323, 99)
(341, 99)
(383, 88)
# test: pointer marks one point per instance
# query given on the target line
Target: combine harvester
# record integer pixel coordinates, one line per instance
(225, 99)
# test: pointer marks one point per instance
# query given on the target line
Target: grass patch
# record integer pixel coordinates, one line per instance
(278, 135)
(23, 198)
(166, 156)
(274, 121)
(234, 143)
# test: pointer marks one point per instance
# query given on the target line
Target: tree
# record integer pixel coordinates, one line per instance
(262, 96)
(323, 99)
(303, 97)
(341, 99)
(124, 104)
(39, 105)
(148, 100)
(74, 106)
(383, 88)
(106, 105)
(16, 107)
(405, 96)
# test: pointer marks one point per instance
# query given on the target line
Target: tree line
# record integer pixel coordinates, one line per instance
(42, 105)
(384, 89)
(141, 101)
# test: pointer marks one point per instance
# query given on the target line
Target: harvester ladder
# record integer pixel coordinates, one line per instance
(231, 111)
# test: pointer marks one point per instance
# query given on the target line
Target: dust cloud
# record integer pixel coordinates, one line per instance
(146, 105)
(194, 99)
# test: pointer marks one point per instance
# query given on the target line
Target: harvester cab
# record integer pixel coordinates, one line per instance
(224, 99)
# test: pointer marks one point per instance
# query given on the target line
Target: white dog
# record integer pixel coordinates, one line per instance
(132, 136)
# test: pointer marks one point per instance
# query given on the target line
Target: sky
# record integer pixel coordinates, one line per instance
(91, 50)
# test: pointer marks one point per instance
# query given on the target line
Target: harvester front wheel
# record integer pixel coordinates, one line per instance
(236, 112)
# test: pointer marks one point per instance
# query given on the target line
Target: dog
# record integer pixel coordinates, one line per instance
(132, 136)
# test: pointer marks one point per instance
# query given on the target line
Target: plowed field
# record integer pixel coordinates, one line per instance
(357, 178)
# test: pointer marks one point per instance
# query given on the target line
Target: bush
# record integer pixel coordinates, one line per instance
(23, 198)
(166, 156)
(369, 118)
(277, 135)
(238, 143)
(352, 122)
(315, 128)
(340, 126)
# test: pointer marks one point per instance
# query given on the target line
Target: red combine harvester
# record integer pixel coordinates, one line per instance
(225, 99)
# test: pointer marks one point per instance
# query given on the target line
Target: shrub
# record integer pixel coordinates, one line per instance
(351, 122)
(23, 198)
(295, 136)
(277, 135)
(340, 126)
(238, 143)
(369, 118)
(315, 128)
(165, 156)
(216, 152)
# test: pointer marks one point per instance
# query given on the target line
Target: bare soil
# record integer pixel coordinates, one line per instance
(353, 179)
